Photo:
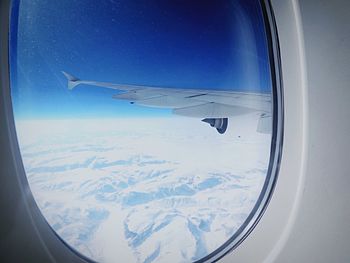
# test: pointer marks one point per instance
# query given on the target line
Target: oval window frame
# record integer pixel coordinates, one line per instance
(275, 150)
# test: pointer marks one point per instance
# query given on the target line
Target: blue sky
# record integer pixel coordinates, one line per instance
(174, 43)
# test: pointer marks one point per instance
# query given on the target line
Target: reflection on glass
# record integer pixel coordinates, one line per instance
(145, 126)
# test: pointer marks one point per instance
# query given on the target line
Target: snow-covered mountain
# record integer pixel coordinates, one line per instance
(144, 190)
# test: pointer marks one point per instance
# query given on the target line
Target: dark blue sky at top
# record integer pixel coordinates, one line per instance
(171, 43)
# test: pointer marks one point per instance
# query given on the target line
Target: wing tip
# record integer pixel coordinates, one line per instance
(72, 80)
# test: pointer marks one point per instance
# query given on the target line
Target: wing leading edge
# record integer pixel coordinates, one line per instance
(215, 106)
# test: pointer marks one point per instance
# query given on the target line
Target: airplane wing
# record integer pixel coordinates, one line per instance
(215, 106)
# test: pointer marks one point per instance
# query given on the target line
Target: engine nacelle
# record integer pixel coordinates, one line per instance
(219, 123)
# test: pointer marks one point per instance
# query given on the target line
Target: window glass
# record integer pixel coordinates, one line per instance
(144, 126)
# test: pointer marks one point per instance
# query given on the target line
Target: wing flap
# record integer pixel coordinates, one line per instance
(137, 95)
(212, 110)
(168, 102)
(252, 102)
(265, 124)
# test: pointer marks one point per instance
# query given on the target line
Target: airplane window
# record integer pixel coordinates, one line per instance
(146, 128)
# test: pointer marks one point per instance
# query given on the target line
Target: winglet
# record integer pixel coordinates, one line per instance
(72, 81)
